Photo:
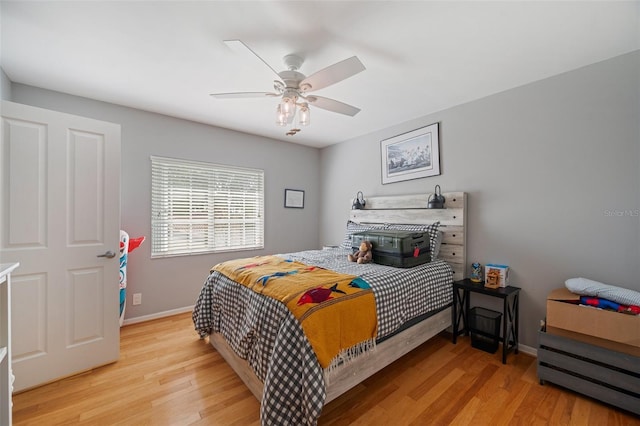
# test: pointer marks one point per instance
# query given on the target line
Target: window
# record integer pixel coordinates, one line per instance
(202, 208)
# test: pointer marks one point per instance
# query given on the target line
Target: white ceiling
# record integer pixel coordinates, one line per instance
(421, 56)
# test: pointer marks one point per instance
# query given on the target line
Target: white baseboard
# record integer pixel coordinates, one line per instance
(150, 317)
(528, 350)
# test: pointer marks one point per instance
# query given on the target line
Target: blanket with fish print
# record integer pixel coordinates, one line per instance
(264, 333)
(337, 311)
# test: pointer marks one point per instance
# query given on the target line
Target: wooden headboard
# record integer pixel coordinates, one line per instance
(412, 209)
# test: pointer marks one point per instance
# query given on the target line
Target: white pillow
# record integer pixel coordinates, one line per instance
(587, 287)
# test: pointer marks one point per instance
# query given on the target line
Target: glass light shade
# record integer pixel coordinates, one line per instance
(304, 116)
(288, 106)
(290, 117)
(281, 118)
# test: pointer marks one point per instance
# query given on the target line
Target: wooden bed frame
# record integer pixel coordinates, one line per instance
(403, 209)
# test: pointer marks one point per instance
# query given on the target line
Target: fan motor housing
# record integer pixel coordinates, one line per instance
(291, 78)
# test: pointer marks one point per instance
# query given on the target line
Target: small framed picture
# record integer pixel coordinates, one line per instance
(294, 198)
(412, 155)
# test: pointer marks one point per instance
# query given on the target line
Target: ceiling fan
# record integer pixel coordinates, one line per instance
(293, 87)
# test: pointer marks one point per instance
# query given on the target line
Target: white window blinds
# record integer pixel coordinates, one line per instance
(202, 207)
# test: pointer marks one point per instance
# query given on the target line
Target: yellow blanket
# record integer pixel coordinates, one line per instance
(335, 316)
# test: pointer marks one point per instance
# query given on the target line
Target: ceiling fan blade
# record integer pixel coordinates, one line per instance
(243, 95)
(239, 47)
(333, 74)
(332, 105)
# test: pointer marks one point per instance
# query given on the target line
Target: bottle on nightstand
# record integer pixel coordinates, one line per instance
(476, 272)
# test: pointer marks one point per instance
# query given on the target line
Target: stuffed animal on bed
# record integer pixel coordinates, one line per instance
(364, 255)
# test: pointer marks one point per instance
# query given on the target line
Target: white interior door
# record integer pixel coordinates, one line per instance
(60, 188)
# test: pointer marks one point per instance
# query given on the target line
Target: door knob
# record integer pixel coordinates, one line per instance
(108, 254)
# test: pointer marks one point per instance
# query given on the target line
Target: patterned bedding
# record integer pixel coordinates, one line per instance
(263, 331)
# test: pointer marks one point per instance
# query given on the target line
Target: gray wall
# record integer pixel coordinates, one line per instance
(174, 283)
(5, 86)
(552, 170)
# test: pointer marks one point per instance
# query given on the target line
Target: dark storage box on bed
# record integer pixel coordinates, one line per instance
(402, 249)
(484, 325)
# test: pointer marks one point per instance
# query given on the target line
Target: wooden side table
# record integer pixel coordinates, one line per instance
(510, 311)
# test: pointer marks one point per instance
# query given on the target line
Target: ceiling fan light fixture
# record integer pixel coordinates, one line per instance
(288, 105)
(281, 118)
(304, 116)
(291, 86)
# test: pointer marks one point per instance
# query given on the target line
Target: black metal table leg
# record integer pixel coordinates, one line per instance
(454, 316)
(458, 313)
(510, 311)
(516, 313)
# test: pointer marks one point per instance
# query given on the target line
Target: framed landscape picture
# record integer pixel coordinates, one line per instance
(411, 155)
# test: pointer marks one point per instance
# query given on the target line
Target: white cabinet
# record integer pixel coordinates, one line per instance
(6, 381)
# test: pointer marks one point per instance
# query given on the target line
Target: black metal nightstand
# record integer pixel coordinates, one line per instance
(510, 311)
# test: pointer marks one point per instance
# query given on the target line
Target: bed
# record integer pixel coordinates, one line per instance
(265, 344)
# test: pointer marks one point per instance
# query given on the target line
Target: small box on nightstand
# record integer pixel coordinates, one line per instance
(496, 275)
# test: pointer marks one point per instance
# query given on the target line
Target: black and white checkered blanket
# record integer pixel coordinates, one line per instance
(263, 331)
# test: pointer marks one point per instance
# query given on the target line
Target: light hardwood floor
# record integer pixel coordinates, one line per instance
(167, 376)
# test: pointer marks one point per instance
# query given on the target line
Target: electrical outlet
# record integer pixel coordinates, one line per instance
(137, 298)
